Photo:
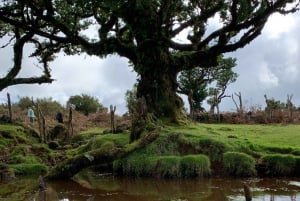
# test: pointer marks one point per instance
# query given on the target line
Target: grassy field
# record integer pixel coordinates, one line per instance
(275, 135)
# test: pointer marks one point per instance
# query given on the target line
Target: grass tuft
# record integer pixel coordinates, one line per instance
(238, 164)
(279, 164)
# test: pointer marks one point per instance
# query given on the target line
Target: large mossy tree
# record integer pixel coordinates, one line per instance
(159, 37)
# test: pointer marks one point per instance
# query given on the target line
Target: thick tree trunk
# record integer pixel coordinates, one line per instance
(158, 83)
(160, 95)
(156, 89)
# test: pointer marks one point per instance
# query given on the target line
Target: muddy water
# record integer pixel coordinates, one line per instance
(99, 188)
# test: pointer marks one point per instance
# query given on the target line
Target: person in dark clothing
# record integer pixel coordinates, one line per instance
(59, 117)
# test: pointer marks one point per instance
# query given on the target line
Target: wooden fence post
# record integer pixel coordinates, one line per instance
(112, 118)
(70, 123)
(9, 107)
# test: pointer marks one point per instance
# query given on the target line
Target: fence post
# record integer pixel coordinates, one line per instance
(9, 107)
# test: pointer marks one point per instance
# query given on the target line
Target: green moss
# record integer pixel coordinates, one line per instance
(238, 164)
(279, 164)
(29, 169)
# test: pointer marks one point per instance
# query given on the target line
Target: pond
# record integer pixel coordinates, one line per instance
(94, 187)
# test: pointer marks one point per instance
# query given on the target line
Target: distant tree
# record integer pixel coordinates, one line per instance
(85, 104)
(48, 106)
(25, 102)
(193, 83)
(131, 99)
(223, 78)
(272, 105)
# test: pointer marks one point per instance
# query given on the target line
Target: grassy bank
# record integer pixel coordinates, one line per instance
(231, 150)
(193, 150)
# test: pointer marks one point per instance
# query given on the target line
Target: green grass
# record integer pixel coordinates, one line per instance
(26, 155)
(256, 137)
(238, 164)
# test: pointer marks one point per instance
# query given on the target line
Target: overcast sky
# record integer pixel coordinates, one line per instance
(269, 65)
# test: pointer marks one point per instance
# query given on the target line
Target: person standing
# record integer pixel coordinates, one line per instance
(30, 114)
(59, 117)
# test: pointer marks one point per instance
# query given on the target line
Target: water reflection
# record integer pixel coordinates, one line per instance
(98, 188)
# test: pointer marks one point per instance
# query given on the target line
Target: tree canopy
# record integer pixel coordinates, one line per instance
(194, 83)
(159, 37)
(85, 104)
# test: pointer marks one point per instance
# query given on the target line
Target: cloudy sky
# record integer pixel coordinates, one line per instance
(269, 65)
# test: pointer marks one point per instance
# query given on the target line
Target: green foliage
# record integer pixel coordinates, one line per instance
(279, 165)
(223, 77)
(238, 164)
(85, 103)
(48, 106)
(195, 166)
(272, 104)
(193, 83)
(25, 102)
(131, 100)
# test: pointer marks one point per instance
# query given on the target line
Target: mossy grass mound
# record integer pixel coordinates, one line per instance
(238, 164)
(188, 166)
(280, 165)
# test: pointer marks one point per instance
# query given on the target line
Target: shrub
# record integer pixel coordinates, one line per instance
(239, 164)
(85, 103)
(48, 106)
(195, 166)
(279, 165)
(25, 102)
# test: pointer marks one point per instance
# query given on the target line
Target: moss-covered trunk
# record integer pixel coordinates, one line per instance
(158, 81)
(157, 86)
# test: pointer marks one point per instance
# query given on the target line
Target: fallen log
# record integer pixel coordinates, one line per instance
(69, 168)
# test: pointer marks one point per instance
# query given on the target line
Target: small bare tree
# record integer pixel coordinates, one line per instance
(239, 107)
(290, 106)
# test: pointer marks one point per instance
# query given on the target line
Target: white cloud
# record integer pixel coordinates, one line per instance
(267, 77)
(277, 25)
